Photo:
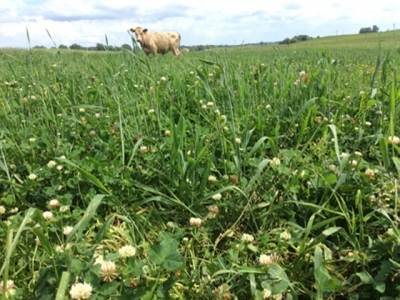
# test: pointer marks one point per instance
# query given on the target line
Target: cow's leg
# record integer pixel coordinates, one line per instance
(177, 53)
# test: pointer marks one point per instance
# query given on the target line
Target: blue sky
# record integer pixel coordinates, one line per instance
(199, 22)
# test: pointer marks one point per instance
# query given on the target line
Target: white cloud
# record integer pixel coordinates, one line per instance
(201, 22)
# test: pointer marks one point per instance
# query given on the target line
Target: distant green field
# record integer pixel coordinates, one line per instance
(384, 40)
(248, 173)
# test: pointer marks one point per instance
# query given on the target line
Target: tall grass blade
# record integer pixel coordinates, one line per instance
(86, 218)
(15, 240)
(377, 65)
(54, 43)
(62, 287)
(93, 179)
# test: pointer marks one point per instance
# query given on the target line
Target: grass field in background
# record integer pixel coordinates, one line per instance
(247, 173)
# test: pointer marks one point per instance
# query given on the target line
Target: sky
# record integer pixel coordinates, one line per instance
(202, 22)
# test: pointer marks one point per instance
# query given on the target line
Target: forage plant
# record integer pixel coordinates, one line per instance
(245, 173)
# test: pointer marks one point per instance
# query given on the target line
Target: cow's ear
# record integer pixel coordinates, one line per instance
(145, 30)
(132, 30)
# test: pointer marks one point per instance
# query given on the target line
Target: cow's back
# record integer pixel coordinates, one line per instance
(158, 42)
(166, 41)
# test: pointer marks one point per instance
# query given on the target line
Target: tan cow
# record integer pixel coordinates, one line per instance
(157, 42)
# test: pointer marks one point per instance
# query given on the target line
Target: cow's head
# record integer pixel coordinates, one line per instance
(139, 32)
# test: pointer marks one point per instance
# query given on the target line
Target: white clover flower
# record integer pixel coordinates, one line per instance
(32, 140)
(266, 293)
(2, 210)
(80, 291)
(64, 208)
(265, 260)
(210, 104)
(151, 111)
(97, 115)
(213, 211)
(362, 92)
(14, 210)
(32, 176)
(143, 149)
(368, 123)
(369, 173)
(108, 270)
(99, 259)
(285, 236)
(82, 110)
(10, 291)
(268, 106)
(54, 203)
(127, 251)
(195, 222)
(332, 167)
(238, 140)
(217, 196)
(47, 215)
(51, 164)
(59, 168)
(163, 78)
(212, 178)
(277, 296)
(358, 153)
(247, 238)
(67, 230)
(275, 162)
(393, 140)
(354, 163)
(167, 132)
(59, 249)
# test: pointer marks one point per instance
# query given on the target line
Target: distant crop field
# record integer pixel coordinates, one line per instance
(247, 173)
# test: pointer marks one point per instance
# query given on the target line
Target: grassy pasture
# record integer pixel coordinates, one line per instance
(254, 173)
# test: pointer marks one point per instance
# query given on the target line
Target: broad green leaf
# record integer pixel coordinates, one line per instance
(166, 254)
(109, 288)
(76, 266)
(365, 277)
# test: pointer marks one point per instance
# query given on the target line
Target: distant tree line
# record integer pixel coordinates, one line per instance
(295, 39)
(98, 47)
(102, 47)
(369, 29)
(209, 47)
